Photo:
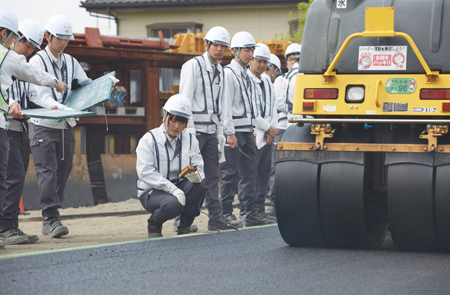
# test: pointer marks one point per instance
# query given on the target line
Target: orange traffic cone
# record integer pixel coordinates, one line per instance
(21, 205)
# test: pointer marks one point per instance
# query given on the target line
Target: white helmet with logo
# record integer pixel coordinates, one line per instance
(294, 48)
(178, 105)
(262, 52)
(32, 31)
(274, 60)
(60, 26)
(242, 39)
(8, 20)
(218, 35)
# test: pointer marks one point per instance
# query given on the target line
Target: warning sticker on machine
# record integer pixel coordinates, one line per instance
(329, 108)
(395, 107)
(382, 58)
(424, 110)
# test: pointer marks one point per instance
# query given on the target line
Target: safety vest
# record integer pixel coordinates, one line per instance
(4, 105)
(46, 60)
(246, 119)
(162, 155)
(286, 83)
(265, 99)
(212, 103)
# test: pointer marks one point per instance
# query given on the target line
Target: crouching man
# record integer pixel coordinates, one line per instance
(162, 154)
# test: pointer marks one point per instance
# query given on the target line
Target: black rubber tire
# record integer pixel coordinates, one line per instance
(411, 207)
(442, 205)
(347, 219)
(297, 205)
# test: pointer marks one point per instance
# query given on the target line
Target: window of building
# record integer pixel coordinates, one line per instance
(293, 27)
(171, 29)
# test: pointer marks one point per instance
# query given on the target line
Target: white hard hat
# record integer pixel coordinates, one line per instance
(32, 31)
(294, 48)
(218, 35)
(60, 26)
(242, 39)
(262, 52)
(178, 105)
(274, 60)
(8, 20)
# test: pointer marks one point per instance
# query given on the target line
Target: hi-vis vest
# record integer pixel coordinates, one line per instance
(162, 156)
(4, 105)
(46, 60)
(212, 103)
(246, 119)
(286, 83)
(265, 100)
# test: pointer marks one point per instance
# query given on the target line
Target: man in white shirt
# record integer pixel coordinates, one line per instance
(239, 112)
(265, 123)
(162, 153)
(52, 142)
(202, 81)
(30, 39)
(13, 66)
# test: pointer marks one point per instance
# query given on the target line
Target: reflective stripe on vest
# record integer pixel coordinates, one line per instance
(245, 120)
(267, 94)
(286, 83)
(64, 78)
(4, 105)
(162, 159)
(211, 106)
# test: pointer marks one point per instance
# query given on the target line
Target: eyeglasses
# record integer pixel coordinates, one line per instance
(290, 59)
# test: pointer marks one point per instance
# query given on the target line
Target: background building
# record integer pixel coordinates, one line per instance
(264, 19)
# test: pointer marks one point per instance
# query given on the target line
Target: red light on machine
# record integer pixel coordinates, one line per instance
(308, 106)
(321, 94)
(446, 106)
(435, 94)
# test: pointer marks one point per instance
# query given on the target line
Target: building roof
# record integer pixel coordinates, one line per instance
(115, 5)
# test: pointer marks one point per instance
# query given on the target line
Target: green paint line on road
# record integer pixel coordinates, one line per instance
(119, 243)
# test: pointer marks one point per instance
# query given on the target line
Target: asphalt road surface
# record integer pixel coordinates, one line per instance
(225, 263)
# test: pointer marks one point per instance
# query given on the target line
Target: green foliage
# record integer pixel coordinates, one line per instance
(298, 35)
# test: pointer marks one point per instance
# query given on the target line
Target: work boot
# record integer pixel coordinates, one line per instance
(8, 234)
(262, 212)
(216, 219)
(154, 228)
(242, 212)
(31, 238)
(185, 225)
(52, 226)
(271, 210)
(253, 217)
(230, 217)
(176, 223)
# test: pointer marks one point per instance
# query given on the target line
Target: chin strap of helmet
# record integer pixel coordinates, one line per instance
(50, 42)
(255, 72)
(17, 40)
(215, 63)
(7, 38)
(239, 59)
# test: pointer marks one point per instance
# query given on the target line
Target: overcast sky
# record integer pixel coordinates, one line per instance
(42, 10)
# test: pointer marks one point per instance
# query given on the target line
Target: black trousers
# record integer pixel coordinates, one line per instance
(19, 157)
(165, 206)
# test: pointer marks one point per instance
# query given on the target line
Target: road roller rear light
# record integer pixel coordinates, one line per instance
(321, 93)
(435, 94)
(446, 106)
(355, 93)
(308, 106)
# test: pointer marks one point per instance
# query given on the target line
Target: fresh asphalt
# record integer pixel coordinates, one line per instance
(225, 263)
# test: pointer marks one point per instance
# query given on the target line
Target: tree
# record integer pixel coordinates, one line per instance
(298, 36)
